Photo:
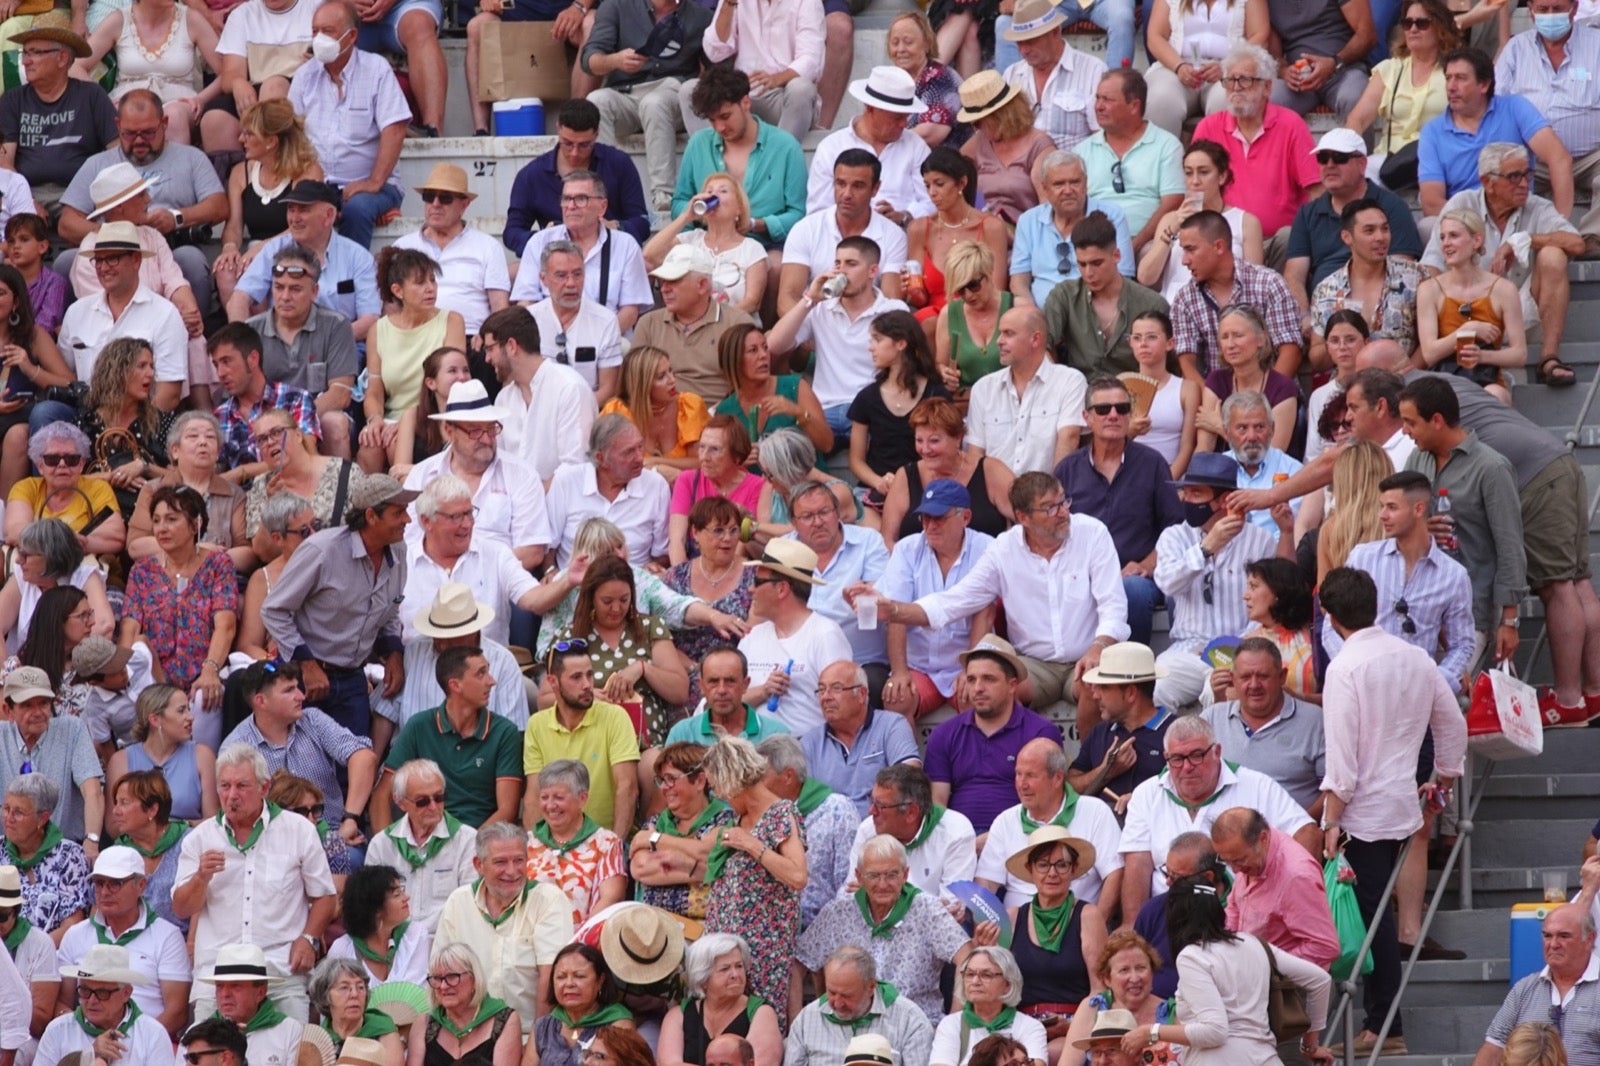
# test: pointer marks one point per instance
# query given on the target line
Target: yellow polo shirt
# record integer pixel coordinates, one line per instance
(605, 738)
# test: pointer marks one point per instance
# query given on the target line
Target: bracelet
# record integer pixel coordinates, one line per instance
(211, 663)
(1181, 65)
(1511, 623)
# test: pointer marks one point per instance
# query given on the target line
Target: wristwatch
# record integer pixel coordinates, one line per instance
(655, 838)
(177, 219)
(92, 837)
(1155, 1032)
(316, 945)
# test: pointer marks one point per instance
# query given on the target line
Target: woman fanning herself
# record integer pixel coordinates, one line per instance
(881, 440)
(1169, 424)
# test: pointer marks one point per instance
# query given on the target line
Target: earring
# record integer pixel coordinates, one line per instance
(15, 318)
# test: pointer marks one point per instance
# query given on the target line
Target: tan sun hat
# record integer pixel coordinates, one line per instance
(789, 558)
(454, 612)
(1017, 864)
(447, 177)
(1127, 663)
(983, 94)
(1034, 18)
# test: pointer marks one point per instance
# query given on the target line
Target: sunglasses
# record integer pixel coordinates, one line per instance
(293, 270)
(970, 287)
(1066, 265)
(759, 581)
(1103, 409)
(1118, 186)
(1336, 158)
(312, 813)
(195, 1058)
(429, 196)
(303, 531)
(437, 799)
(1423, 23)
(60, 460)
(1403, 609)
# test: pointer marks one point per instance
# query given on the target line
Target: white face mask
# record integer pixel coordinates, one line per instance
(325, 49)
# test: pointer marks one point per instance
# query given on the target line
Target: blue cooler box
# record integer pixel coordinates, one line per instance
(522, 117)
(1527, 938)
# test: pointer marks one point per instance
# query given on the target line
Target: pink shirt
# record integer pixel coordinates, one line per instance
(1271, 173)
(1287, 904)
(1379, 697)
(692, 486)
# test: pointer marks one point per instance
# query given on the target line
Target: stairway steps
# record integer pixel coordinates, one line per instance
(1451, 1030)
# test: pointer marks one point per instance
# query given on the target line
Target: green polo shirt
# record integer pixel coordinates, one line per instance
(606, 737)
(471, 764)
(696, 729)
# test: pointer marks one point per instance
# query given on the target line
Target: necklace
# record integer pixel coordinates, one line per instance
(966, 220)
(179, 578)
(706, 574)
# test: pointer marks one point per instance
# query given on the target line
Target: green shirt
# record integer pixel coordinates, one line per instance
(471, 765)
(1075, 335)
(774, 177)
(696, 729)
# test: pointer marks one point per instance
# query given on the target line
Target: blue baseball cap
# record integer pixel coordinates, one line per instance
(943, 496)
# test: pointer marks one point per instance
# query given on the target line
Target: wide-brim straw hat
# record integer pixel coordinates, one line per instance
(789, 558)
(983, 94)
(1017, 864)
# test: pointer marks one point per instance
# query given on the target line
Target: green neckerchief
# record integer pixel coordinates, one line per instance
(322, 832)
(418, 859)
(1050, 923)
(615, 1012)
(52, 837)
(887, 992)
(174, 833)
(970, 1019)
(541, 833)
(266, 1016)
(138, 927)
(94, 1030)
(19, 932)
(1069, 806)
(386, 958)
(929, 824)
(486, 1010)
(269, 812)
(667, 825)
(812, 794)
(1166, 775)
(885, 928)
(720, 853)
(509, 911)
(374, 1024)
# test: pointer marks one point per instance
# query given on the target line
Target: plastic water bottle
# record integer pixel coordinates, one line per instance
(1441, 507)
(772, 700)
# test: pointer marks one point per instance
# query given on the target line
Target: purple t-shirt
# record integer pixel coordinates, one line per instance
(986, 782)
(1278, 388)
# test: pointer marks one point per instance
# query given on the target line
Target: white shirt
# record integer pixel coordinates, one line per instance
(431, 884)
(272, 42)
(627, 284)
(551, 426)
(261, 896)
(158, 952)
(1055, 607)
(902, 162)
(88, 326)
(640, 511)
(818, 642)
(16, 196)
(147, 1041)
(346, 119)
(1065, 110)
(1092, 820)
(844, 366)
(509, 499)
(912, 571)
(1399, 448)
(487, 568)
(277, 1046)
(1021, 431)
(1024, 1029)
(410, 955)
(814, 241)
(471, 266)
(770, 37)
(511, 952)
(422, 694)
(949, 854)
(1182, 571)
(591, 344)
(16, 1005)
(1155, 819)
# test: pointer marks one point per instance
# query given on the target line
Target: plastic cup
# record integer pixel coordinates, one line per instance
(867, 612)
(1555, 886)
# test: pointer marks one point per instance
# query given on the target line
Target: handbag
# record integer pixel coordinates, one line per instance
(1399, 169)
(1503, 718)
(1287, 1016)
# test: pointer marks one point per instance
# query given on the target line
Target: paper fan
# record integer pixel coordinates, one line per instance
(402, 1001)
(1220, 652)
(316, 1048)
(1141, 389)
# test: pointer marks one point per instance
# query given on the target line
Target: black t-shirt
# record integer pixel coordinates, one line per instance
(54, 140)
(1148, 745)
(892, 444)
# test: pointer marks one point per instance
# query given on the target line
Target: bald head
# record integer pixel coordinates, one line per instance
(730, 1050)
(1383, 354)
(1239, 823)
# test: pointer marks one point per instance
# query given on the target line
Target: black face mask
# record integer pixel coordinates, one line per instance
(1197, 514)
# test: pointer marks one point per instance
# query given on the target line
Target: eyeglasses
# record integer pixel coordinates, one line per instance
(101, 995)
(444, 199)
(40, 53)
(303, 531)
(1169, 873)
(1208, 588)
(882, 877)
(1241, 81)
(111, 882)
(721, 531)
(1051, 509)
(1335, 158)
(293, 270)
(457, 517)
(479, 430)
(194, 1058)
(575, 644)
(874, 805)
(577, 199)
(982, 975)
(1516, 177)
(561, 347)
(670, 780)
(1558, 1014)
(270, 437)
(1060, 866)
(1423, 23)
(1193, 758)
(141, 135)
(58, 459)
(594, 1055)
(759, 581)
(437, 799)
(1403, 609)
(836, 689)
(312, 813)
(1103, 409)
(446, 980)
(812, 516)
(1465, 310)
(1118, 186)
(86, 616)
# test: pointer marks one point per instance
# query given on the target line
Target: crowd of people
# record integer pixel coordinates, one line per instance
(936, 597)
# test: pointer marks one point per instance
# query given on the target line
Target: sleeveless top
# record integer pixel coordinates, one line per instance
(972, 360)
(695, 1037)
(986, 518)
(933, 282)
(1204, 34)
(182, 774)
(168, 71)
(482, 1055)
(265, 215)
(402, 353)
(1048, 976)
(1451, 319)
(553, 1047)
(1166, 419)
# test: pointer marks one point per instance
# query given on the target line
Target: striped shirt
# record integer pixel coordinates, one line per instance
(1438, 597)
(1195, 311)
(815, 1041)
(1569, 96)
(317, 748)
(1533, 998)
(1185, 576)
(1065, 109)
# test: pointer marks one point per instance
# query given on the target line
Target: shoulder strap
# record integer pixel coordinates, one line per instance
(341, 493)
(605, 263)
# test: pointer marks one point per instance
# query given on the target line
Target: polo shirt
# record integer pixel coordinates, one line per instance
(509, 500)
(1315, 232)
(861, 556)
(536, 196)
(625, 283)
(913, 571)
(843, 365)
(512, 949)
(697, 728)
(1149, 750)
(471, 266)
(1568, 95)
(814, 240)
(1074, 329)
(604, 738)
(591, 344)
(550, 426)
(1531, 1000)
(1092, 820)
(1448, 153)
(348, 285)
(65, 754)
(980, 767)
(1155, 818)
(774, 177)
(639, 510)
(1289, 749)
(1040, 250)
(1151, 168)
(323, 350)
(317, 749)
(1134, 506)
(146, 1039)
(692, 350)
(1530, 448)
(88, 327)
(471, 765)
(1272, 172)
(885, 740)
(1021, 431)
(156, 950)
(948, 854)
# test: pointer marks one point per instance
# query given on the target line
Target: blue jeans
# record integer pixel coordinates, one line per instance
(1005, 52)
(347, 702)
(360, 213)
(45, 412)
(1142, 599)
(1113, 16)
(838, 419)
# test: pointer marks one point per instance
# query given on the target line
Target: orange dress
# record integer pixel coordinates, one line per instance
(692, 418)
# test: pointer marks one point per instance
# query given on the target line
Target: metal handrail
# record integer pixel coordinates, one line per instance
(1345, 1012)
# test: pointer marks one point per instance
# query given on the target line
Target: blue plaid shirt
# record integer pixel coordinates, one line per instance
(239, 444)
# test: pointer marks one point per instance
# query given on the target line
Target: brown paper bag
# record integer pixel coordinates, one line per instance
(521, 59)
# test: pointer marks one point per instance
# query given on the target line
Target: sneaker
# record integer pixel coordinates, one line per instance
(1432, 951)
(1558, 717)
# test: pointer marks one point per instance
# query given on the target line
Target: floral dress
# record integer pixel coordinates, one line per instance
(695, 642)
(55, 886)
(659, 715)
(748, 901)
(178, 621)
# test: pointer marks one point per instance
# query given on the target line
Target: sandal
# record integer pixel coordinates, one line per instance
(1558, 376)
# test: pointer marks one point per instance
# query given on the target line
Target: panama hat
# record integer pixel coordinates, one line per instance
(114, 186)
(1034, 18)
(1017, 865)
(1110, 1026)
(1127, 663)
(641, 945)
(118, 238)
(469, 402)
(108, 963)
(888, 89)
(983, 94)
(447, 177)
(789, 558)
(454, 612)
(240, 962)
(1000, 648)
